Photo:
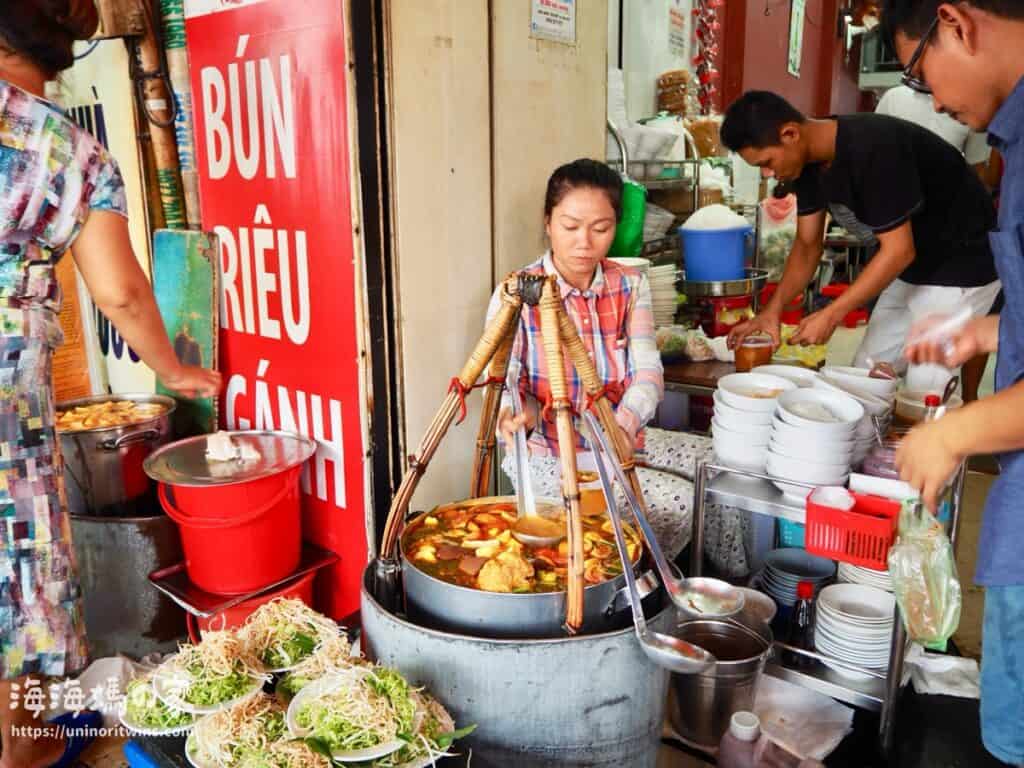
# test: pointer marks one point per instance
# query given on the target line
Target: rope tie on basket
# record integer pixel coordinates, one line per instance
(462, 390)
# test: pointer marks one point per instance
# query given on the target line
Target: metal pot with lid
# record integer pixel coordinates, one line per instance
(104, 463)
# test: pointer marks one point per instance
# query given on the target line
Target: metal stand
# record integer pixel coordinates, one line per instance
(753, 492)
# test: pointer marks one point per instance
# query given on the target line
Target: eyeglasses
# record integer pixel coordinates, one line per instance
(909, 79)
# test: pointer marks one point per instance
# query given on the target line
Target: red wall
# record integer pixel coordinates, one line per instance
(757, 46)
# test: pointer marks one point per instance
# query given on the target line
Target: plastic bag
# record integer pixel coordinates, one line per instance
(629, 234)
(676, 342)
(778, 231)
(924, 577)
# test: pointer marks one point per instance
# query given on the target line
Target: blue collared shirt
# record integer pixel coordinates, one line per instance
(1000, 558)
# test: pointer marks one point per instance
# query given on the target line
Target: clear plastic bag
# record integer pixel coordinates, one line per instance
(924, 578)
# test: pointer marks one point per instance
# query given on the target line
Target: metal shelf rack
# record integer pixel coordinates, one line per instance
(754, 492)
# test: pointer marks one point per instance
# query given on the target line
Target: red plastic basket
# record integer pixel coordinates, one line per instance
(861, 536)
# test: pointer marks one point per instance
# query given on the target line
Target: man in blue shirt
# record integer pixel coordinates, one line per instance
(968, 56)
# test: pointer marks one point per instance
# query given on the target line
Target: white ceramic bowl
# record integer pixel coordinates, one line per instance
(873, 405)
(858, 604)
(801, 471)
(738, 414)
(844, 408)
(802, 377)
(833, 453)
(739, 453)
(756, 434)
(910, 405)
(785, 433)
(860, 379)
(737, 390)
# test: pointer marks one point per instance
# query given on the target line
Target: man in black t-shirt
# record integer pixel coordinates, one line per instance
(889, 182)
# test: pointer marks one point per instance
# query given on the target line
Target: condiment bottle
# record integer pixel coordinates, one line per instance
(736, 750)
(801, 627)
(931, 407)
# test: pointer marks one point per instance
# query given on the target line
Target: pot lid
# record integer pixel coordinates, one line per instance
(184, 462)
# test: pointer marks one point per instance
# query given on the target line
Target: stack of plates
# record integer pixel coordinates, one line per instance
(854, 624)
(854, 574)
(744, 403)
(663, 293)
(785, 568)
(812, 440)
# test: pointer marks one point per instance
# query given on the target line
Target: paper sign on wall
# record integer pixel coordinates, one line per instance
(796, 36)
(678, 34)
(553, 20)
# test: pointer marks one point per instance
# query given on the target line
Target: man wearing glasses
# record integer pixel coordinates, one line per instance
(968, 56)
(891, 183)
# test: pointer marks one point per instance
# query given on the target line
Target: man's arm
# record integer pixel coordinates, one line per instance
(894, 256)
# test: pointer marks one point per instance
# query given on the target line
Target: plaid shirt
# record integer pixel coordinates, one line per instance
(615, 322)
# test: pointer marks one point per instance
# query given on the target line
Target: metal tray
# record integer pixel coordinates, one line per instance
(752, 284)
(173, 582)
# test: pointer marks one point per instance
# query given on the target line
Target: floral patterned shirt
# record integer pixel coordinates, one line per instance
(52, 174)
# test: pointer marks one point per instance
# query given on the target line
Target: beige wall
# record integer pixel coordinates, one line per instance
(453, 71)
(548, 108)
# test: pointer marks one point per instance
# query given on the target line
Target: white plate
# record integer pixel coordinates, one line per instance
(167, 691)
(858, 602)
(871, 656)
(847, 411)
(734, 388)
(193, 760)
(329, 684)
(802, 377)
(803, 471)
(841, 629)
(837, 454)
(849, 674)
(787, 433)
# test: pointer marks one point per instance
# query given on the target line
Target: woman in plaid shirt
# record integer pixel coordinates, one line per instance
(611, 307)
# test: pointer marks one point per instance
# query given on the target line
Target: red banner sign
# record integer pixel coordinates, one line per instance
(269, 90)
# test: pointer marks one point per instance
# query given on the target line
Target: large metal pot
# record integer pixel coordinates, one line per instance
(123, 613)
(104, 465)
(700, 706)
(588, 700)
(432, 602)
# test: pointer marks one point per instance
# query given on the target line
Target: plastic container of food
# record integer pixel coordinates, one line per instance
(752, 352)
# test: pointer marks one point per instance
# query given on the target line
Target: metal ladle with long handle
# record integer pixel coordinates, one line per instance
(664, 650)
(530, 528)
(699, 597)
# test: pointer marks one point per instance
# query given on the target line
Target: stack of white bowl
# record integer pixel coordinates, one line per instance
(744, 404)
(663, 293)
(805, 448)
(878, 396)
(853, 623)
(869, 577)
(785, 568)
(802, 377)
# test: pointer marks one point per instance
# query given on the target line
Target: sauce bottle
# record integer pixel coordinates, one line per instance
(801, 628)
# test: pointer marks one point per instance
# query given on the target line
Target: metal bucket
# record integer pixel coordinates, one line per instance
(123, 613)
(104, 465)
(432, 602)
(589, 700)
(700, 706)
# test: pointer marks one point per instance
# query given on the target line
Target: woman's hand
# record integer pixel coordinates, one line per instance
(192, 381)
(508, 424)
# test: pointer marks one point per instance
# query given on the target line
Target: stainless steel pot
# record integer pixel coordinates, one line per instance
(589, 700)
(435, 603)
(104, 465)
(700, 706)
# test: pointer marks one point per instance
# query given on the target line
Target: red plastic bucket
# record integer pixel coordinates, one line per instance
(240, 537)
(235, 616)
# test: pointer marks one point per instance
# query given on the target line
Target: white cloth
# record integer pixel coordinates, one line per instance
(900, 306)
(918, 108)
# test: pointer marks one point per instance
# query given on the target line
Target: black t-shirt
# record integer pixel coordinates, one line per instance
(887, 171)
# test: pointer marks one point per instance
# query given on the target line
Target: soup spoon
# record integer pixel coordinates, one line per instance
(698, 597)
(664, 650)
(530, 528)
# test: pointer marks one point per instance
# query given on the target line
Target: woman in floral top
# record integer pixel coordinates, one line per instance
(58, 187)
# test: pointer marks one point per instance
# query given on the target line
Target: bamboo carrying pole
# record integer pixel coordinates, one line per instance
(492, 338)
(550, 308)
(485, 439)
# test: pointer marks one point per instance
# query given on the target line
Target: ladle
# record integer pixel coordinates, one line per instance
(530, 528)
(698, 597)
(664, 650)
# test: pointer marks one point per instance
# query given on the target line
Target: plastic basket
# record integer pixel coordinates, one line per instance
(861, 536)
(791, 535)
